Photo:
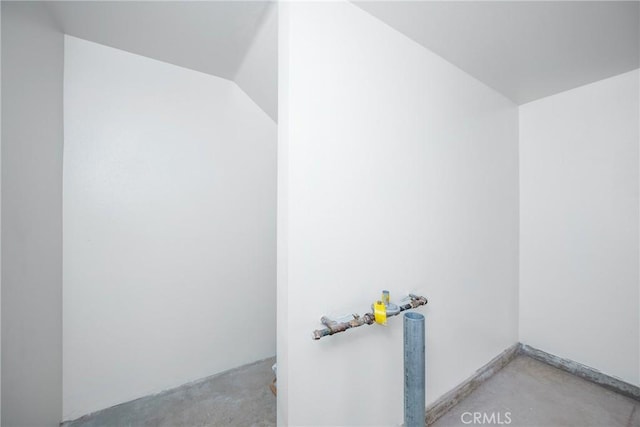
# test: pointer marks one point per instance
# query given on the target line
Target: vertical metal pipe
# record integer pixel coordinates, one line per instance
(414, 370)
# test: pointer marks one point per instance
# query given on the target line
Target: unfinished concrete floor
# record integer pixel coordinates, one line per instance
(240, 397)
(533, 393)
(538, 395)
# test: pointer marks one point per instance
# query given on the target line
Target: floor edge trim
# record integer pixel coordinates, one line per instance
(585, 372)
(450, 399)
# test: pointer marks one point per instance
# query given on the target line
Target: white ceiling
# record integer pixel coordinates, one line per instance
(207, 36)
(524, 49)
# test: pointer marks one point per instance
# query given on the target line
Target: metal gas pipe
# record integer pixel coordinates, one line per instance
(334, 327)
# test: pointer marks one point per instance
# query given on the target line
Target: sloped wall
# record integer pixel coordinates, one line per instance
(258, 73)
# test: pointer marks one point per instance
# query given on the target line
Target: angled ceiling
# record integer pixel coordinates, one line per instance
(524, 49)
(208, 36)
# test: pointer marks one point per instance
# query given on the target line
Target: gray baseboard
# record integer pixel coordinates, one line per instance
(582, 371)
(451, 398)
(197, 392)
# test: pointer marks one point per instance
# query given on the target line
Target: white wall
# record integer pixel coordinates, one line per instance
(397, 171)
(0, 216)
(282, 264)
(32, 139)
(258, 72)
(579, 284)
(169, 227)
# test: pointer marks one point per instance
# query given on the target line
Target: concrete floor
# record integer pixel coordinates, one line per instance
(525, 393)
(535, 394)
(240, 397)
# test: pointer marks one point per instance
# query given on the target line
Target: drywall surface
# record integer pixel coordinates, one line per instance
(207, 36)
(169, 227)
(399, 172)
(0, 216)
(579, 225)
(282, 265)
(524, 49)
(258, 72)
(32, 139)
